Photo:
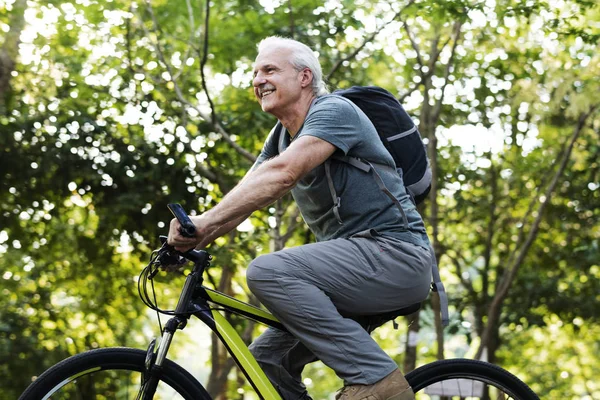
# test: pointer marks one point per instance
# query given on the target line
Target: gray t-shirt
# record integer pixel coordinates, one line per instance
(363, 204)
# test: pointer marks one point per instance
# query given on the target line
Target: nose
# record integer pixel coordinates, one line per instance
(258, 80)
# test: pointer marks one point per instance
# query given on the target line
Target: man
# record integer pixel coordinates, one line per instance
(365, 261)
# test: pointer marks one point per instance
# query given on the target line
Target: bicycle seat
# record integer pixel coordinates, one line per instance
(399, 312)
(371, 322)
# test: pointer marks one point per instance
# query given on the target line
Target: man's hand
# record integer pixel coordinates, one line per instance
(183, 243)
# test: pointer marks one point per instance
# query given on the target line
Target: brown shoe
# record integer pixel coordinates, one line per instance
(392, 387)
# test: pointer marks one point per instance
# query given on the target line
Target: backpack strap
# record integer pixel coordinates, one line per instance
(389, 194)
(336, 199)
(438, 286)
(281, 132)
(365, 166)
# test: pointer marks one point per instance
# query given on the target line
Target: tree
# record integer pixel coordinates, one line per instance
(117, 108)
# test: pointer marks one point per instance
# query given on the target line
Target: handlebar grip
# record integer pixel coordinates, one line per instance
(188, 229)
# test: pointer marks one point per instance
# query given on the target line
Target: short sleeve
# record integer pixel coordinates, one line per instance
(335, 120)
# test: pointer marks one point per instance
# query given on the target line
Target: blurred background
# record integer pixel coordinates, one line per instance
(110, 109)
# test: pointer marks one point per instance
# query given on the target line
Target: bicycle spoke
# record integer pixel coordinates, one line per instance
(463, 388)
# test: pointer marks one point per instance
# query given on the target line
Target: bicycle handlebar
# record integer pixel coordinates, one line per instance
(188, 229)
(168, 255)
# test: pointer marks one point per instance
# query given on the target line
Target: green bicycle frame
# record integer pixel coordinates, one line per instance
(231, 338)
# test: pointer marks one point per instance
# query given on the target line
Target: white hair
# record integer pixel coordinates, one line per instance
(302, 57)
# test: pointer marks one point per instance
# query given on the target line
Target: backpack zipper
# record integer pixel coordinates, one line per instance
(401, 135)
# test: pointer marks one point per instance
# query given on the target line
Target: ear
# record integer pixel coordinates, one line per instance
(306, 77)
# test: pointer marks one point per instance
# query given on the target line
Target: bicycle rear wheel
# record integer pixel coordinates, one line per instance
(111, 373)
(467, 379)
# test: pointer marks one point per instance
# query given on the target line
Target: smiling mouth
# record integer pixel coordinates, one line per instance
(266, 93)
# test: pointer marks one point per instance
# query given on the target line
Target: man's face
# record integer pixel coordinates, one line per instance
(276, 82)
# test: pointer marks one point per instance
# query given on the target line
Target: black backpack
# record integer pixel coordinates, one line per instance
(398, 133)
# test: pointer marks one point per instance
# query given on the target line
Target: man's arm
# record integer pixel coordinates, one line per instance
(223, 229)
(269, 182)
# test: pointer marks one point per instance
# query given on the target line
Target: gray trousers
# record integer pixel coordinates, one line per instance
(315, 290)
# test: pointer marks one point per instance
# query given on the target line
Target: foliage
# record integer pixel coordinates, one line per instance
(116, 108)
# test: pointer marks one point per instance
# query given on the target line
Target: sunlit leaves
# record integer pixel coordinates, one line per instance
(110, 122)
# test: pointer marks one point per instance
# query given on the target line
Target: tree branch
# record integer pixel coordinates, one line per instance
(218, 127)
(436, 51)
(415, 47)
(466, 282)
(204, 60)
(215, 177)
(292, 27)
(410, 91)
(490, 231)
(213, 115)
(434, 57)
(438, 106)
(190, 40)
(10, 50)
(365, 42)
(525, 217)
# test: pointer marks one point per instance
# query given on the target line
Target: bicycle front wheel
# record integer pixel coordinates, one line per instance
(111, 373)
(467, 379)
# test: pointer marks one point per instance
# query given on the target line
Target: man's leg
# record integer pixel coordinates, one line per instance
(307, 287)
(282, 357)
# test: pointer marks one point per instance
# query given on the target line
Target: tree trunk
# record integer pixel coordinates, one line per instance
(434, 221)
(490, 332)
(410, 354)
(10, 51)
(428, 123)
(429, 118)
(217, 380)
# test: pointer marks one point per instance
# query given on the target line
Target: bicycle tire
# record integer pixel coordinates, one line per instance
(474, 370)
(122, 359)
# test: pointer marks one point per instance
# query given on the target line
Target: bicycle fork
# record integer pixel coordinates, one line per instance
(155, 360)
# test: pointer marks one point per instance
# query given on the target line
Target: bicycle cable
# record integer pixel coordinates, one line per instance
(148, 274)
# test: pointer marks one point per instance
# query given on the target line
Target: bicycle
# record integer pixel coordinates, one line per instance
(83, 375)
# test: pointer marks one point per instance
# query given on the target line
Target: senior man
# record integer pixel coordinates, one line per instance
(365, 260)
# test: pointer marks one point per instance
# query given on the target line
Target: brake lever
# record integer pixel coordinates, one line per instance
(167, 256)
(153, 273)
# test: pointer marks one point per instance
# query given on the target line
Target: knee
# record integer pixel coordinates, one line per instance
(259, 269)
(260, 272)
